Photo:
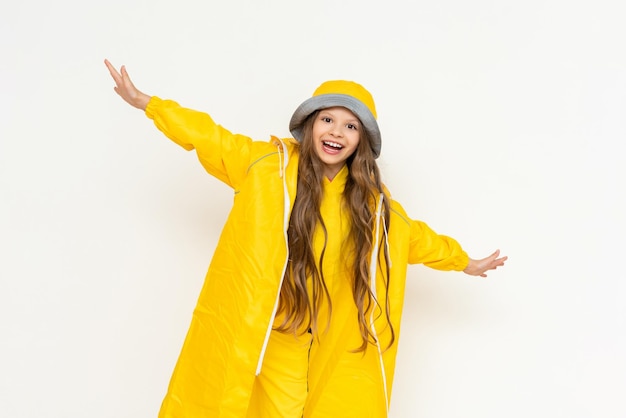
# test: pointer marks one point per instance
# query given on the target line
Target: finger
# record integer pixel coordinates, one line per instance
(125, 75)
(116, 76)
(500, 261)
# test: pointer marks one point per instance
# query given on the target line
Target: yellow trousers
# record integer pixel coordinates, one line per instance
(282, 389)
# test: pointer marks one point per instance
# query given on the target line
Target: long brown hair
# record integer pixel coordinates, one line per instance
(362, 189)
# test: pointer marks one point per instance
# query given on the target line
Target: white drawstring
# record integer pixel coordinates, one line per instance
(373, 263)
(280, 161)
(387, 253)
(373, 268)
(283, 158)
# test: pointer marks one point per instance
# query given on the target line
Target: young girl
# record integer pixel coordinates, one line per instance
(300, 311)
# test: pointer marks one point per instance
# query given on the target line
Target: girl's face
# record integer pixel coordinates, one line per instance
(336, 134)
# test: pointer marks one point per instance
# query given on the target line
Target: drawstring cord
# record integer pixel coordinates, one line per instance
(280, 161)
(373, 268)
(283, 159)
(387, 255)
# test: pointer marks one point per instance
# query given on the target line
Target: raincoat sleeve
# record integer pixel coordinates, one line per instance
(223, 154)
(435, 251)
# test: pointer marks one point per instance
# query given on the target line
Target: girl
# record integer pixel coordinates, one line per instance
(300, 310)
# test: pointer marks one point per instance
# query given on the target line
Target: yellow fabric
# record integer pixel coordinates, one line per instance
(281, 389)
(342, 383)
(349, 88)
(215, 372)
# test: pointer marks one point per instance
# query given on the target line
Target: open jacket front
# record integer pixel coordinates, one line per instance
(224, 347)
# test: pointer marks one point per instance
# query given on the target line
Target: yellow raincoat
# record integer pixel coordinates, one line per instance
(225, 346)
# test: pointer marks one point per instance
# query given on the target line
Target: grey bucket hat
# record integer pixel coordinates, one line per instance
(348, 94)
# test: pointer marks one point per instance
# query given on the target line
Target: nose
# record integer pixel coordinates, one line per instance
(336, 130)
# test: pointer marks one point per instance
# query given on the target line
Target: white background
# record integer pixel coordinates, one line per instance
(503, 125)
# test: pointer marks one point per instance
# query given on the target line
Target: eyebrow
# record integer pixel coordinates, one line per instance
(325, 112)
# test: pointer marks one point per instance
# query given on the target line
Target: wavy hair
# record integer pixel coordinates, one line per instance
(362, 189)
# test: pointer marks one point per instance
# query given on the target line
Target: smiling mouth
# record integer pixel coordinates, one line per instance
(332, 145)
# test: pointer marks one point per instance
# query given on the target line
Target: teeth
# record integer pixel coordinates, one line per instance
(333, 144)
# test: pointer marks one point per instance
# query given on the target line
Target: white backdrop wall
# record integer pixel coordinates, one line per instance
(503, 125)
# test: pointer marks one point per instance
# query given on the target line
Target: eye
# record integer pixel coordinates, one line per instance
(327, 119)
(352, 126)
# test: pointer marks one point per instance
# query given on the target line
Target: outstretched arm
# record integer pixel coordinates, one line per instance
(126, 89)
(480, 267)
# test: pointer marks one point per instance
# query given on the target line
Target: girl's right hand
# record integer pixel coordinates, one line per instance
(126, 89)
(480, 267)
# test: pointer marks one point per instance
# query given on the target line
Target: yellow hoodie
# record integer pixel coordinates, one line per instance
(231, 325)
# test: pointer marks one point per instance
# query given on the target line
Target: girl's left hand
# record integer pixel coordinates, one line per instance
(479, 267)
(126, 89)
